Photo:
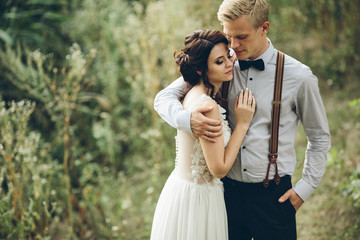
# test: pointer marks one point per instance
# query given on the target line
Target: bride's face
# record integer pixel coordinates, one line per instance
(220, 64)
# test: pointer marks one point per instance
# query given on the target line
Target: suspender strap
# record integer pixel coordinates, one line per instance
(275, 119)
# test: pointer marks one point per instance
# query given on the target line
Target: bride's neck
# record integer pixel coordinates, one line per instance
(207, 90)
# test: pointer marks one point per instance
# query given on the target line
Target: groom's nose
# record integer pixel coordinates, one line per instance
(234, 43)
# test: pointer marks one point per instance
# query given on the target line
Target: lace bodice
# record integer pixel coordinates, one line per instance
(190, 161)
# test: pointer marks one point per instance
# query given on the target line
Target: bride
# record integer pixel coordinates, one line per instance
(191, 205)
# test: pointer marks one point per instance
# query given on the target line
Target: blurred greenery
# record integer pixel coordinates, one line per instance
(83, 155)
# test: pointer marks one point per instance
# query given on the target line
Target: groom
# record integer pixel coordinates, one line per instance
(254, 211)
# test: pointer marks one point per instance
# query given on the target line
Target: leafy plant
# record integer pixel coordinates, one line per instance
(28, 177)
(58, 91)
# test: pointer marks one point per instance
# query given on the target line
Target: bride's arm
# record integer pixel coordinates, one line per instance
(218, 158)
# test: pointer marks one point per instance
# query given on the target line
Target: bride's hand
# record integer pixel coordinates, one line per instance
(245, 108)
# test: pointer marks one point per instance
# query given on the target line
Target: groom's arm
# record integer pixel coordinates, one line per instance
(310, 108)
(167, 104)
(311, 111)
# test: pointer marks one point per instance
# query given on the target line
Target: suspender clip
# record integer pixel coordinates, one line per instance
(273, 157)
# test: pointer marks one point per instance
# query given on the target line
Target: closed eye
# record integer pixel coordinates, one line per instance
(242, 37)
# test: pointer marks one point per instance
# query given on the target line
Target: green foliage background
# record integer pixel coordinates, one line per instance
(82, 153)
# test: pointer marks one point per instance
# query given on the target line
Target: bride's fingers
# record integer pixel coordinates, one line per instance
(240, 98)
(251, 98)
(246, 96)
(253, 104)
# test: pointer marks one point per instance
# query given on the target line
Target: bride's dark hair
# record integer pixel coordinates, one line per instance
(193, 57)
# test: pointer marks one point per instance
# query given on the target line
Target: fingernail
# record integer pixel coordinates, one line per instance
(247, 89)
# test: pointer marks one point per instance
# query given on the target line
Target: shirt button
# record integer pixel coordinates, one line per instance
(245, 170)
(243, 147)
(250, 79)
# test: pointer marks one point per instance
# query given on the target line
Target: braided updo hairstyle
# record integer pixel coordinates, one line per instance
(193, 57)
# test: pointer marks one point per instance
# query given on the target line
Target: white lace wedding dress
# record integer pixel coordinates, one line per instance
(191, 205)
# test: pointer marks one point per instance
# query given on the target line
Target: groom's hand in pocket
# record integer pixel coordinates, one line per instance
(295, 199)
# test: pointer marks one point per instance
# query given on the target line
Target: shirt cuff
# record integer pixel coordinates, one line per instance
(303, 189)
(183, 121)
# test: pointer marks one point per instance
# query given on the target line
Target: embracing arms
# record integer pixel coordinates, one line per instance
(167, 104)
(219, 159)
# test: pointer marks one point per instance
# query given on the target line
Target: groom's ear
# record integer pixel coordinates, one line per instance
(265, 27)
(198, 72)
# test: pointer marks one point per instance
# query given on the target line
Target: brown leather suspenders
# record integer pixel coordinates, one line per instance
(275, 119)
(275, 116)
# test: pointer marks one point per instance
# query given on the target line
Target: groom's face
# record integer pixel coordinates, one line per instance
(247, 42)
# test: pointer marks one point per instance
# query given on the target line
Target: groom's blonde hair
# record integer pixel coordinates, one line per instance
(256, 11)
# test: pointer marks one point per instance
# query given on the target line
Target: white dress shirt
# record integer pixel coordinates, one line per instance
(301, 100)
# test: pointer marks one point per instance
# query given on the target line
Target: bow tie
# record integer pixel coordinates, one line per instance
(258, 64)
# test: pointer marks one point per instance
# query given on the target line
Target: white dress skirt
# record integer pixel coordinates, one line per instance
(191, 205)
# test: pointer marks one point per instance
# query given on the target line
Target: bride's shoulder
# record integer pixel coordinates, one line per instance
(194, 99)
